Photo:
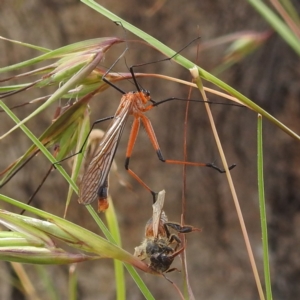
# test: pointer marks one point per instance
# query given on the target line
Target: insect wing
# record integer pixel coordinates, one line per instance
(157, 212)
(94, 178)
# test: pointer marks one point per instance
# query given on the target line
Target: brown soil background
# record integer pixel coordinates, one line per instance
(217, 259)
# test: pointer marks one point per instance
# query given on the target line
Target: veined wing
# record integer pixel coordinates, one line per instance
(99, 167)
(158, 212)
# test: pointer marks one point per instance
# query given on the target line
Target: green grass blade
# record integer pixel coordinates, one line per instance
(139, 282)
(113, 226)
(262, 208)
(47, 282)
(141, 285)
(70, 233)
(91, 239)
(281, 28)
(133, 273)
(54, 54)
(85, 71)
(36, 141)
(73, 283)
(38, 48)
(189, 65)
(63, 131)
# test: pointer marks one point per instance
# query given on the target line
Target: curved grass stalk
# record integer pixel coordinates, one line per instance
(188, 65)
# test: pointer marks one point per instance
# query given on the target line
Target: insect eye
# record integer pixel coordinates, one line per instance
(146, 92)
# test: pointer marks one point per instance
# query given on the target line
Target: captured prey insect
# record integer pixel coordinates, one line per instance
(94, 184)
(160, 247)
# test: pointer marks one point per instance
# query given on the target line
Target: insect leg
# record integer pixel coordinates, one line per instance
(81, 149)
(153, 139)
(181, 229)
(132, 138)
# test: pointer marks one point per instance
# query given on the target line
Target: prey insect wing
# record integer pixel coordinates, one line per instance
(158, 213)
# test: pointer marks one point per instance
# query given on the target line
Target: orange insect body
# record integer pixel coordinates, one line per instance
(94, 185)
(159, 231)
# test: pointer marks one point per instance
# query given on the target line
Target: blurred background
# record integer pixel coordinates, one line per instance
(218, 264)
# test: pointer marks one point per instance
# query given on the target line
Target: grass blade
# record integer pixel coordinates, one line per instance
(262, 208)
(282, 29)
(188, 65)
(112, 222)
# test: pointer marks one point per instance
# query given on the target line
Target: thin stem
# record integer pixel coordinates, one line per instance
(195, 74)
(262, 208)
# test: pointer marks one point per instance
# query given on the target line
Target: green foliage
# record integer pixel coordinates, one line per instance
(76, 74)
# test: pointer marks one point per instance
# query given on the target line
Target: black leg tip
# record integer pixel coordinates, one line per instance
(232, 166)
(211, 165)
